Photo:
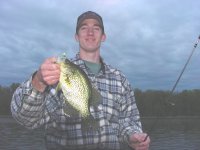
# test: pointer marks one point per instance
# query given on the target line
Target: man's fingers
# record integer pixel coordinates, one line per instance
(51, 60)
(49, 71)
(50, 67)
(50, 80)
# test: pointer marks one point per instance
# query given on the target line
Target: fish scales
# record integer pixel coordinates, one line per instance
(75, 86)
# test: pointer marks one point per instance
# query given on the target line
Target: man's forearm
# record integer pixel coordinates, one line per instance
(27, 105)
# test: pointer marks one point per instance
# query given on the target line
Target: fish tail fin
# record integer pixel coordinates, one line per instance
(61, 58)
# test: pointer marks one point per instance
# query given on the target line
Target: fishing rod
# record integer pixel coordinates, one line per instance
(174, 87)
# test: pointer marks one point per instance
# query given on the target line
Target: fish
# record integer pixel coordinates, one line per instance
(79, 94)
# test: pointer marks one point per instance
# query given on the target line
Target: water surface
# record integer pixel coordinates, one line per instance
(169, 134)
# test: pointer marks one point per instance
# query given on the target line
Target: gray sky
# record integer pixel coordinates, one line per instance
(149, 40)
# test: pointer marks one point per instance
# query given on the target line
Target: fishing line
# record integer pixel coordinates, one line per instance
(174, 87)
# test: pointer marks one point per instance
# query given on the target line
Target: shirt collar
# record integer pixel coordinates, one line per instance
(81, 63)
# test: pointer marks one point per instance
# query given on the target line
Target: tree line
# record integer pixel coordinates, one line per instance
(165, 103)
(150, 102)
(5, 98)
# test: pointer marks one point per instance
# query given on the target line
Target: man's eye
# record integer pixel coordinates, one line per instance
(83, 28)
(96, 28)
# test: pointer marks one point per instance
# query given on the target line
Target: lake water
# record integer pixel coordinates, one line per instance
(169, 134)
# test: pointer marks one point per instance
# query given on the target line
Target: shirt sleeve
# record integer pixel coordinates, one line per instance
(27, 106)
(129, 114)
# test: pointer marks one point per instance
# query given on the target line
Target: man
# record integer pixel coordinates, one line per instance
(35, 102)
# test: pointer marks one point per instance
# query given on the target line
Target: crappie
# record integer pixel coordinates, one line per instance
(75, 86)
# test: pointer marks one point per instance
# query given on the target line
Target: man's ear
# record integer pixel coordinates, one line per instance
(103, 37)
(76, 37)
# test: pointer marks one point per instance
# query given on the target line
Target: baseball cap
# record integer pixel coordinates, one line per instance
(89, 15)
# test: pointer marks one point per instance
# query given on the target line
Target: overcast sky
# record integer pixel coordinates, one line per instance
(148, 40)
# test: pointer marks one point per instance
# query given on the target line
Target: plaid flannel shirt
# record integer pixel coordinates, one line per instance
(117, 113)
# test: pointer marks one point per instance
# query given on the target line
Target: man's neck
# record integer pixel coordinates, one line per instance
(90, 56)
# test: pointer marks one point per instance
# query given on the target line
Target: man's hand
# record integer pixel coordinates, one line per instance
(48, 74)
(138, 142)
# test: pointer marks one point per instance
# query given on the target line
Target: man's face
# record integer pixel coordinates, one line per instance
(90, 35)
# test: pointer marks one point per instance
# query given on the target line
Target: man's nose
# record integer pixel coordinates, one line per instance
(90, 31)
